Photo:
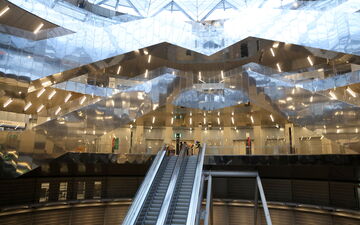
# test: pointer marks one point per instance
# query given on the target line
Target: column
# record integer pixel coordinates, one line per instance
(259, 141)
(139, 140)
(287, 137)
(228, 141)
(168, 135)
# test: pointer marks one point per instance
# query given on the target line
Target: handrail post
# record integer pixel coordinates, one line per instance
(263, 201)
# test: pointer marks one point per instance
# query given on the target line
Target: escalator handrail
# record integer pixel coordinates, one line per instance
(161, 220)
(194, 201)
(142, 193)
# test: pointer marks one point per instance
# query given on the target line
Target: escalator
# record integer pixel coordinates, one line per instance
(151, 208)
(170, 191)
(178, 211)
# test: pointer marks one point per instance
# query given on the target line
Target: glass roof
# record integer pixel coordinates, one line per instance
(201, 10)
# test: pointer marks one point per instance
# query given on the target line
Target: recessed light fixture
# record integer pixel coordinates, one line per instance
(38, 28)
(40, 92)
(272, 52)
(149, 59)
(4, 10)
(27, 106)
(153, 119)
(172, 120)
(311, 98)
(58, 110)
(278, 67)
(82, 100)
(222, 74)
(232, 120)
(351, 92)
(276, 45)
(52, 94)
(310, 61)
(10, 100)
(218, 120)
(118, 70)
(199, 75)
(190, 121)
(252, 119)
(271, 117)
(40, 108)
(333, 96)
(67, 98)
(146, 73)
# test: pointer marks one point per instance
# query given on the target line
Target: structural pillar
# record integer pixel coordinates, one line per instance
(168, 135)
(289, 134)
(139, 143)
(259, 141)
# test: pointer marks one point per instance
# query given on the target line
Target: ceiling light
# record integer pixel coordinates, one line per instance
(172, 120)
(27, 106)
(271, 117)
(282, 101)
(190, 121)
(222, 74)
(276, 44)
(311, 98)
(149, 59)
(356, 130)
(351, 92)
(58, 110)
(82, 100)
(40, 92)
(46, 83)
(4, 10)
(278, 66)
(153, 119)
(293, 91)
(204, 120)
(40, 108)
(51, 95)
(322, 137)
(131, 126)
(146, 73)
(190, 113)
(118, 70)
(272, 52)
(38, 28)
(218, 113)
(310, 61)
(289, 99)
(252, 119)
(10, 100)
(200, 75)
(232, 120)
(333, 96)
(218, 120)
(146, 52)
(232, 113)
(67, 98)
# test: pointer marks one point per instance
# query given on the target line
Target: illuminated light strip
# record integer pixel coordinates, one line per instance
(218, 120)
(311, 98)
(222, 74)
(38, 28)
(82, 100)
(40, 92)
(276, 44)
(172, 120)
(52, 94)
(10, 100)
(200, 76)
(272, 118)
(272, 52)
(27, 106)
(118, 70)
(153, 119)
(149, 59)
(278, 66)
(2, 12)
(67, 98)
(190, 121)
(322, 137)
(252, 119)
(232, 120)
(333, 96)
(40, 108)
(351, 92)
(146, 73)
(310, 61)
(204, 120)
(58, 110)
